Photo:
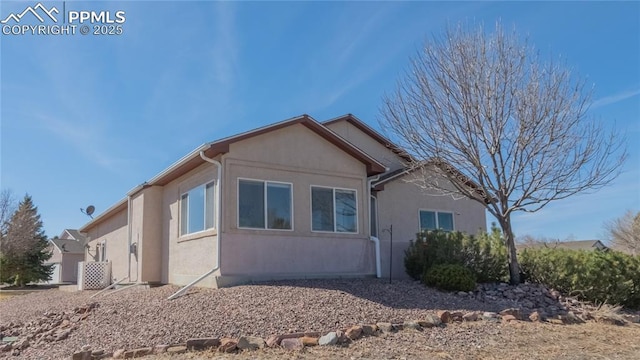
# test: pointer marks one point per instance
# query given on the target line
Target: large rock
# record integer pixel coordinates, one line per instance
(178, 349)
(119, 354)
(369, 330)
(430, 321)
(202, 343)
(292, 344)
(515, 312)
(385, 327)
(508, 317)
(137, 353)
(81, 355)
(273, 341)
(309, 340)
(228, 345)
(445, 316)
(251, 343)
(471, 316)
(354, 332)
(536, 317)
(328, 339)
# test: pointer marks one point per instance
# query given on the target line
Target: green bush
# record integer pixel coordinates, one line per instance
(485, 255)
(451, 277)
(612, 277)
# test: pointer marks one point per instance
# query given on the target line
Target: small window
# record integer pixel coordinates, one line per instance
(197, 209)
(432, 220)
(264, 205)
(334, 210)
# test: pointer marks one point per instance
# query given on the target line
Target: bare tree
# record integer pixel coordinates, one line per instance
(624, 232)
(7, 207)
(503, 127)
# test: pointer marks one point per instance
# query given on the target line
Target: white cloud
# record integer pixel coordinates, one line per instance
(615, 98)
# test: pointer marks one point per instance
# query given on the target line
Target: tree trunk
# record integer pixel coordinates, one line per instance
(509, 239)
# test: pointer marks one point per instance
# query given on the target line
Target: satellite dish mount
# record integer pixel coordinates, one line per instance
(89, 211)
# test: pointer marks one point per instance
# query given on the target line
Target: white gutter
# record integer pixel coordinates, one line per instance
(375, 240)
(219, 225)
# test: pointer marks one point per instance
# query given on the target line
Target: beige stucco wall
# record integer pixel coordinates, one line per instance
(367, 144)
(150, 241)
(298, 156)
(398, 205)
(70, 267)
(185, 258)
(114, 232)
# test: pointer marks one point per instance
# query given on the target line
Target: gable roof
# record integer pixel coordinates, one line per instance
(68, 246)
(362, 126)
(215, 148)
(72, 234)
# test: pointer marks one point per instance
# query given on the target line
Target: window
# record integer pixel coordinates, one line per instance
(197, 209)
(264, 205)
(431, 220)
(333, 210)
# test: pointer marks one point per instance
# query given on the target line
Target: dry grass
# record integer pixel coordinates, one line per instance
(522, 340)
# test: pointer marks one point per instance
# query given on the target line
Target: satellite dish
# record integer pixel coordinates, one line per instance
(89, 211)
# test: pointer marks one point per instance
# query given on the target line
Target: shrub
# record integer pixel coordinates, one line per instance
(601, 277)
(451, 277)
(485, 255)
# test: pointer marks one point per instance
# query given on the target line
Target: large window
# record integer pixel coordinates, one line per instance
(264, 205)
(432, 220)
(197, 209)
(333, 210)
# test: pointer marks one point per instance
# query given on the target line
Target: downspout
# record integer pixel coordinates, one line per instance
(375, 240)
(219, 226)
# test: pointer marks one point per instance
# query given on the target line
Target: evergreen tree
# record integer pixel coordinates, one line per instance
(24, 247)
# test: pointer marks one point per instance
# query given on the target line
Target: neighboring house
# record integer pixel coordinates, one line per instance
(572, 245)
(295, 199)
(67, 251)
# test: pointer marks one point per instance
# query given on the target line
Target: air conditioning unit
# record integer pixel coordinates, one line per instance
(94, 275)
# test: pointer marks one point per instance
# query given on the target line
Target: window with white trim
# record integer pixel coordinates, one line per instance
(197, 207)
(264, 205)
(334, 210)
(432, 220)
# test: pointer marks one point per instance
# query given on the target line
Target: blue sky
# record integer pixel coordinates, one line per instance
(86, 118)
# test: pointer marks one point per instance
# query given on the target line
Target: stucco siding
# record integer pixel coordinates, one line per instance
(70, 267)
(114, 232)
(367, 144)
(297, 156)
(399, 204)
(185, 258)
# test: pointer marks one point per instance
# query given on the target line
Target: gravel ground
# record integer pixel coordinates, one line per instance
(140, 317)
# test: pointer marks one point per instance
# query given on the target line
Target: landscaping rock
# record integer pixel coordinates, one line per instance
(385, 327)
(445, 316)
(309, 340)
(430, 321)
(81, 355)
(513, 312)
(353, 332)
(159, 349)
(179, 349)
(228, 345)
(250, 343)
(119, 354)
(471, 316)
(273, 341)
(535, 317)
(202, 343)
(508, 317)
(412, 325)
(329, 339)
(137, 353)
(610, 320)
(369, 330)
(292, 344)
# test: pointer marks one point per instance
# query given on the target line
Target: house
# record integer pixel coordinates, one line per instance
(588, 245)
(67, 251)
(295, 199)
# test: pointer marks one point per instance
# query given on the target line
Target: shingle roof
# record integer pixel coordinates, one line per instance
(69, 246)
